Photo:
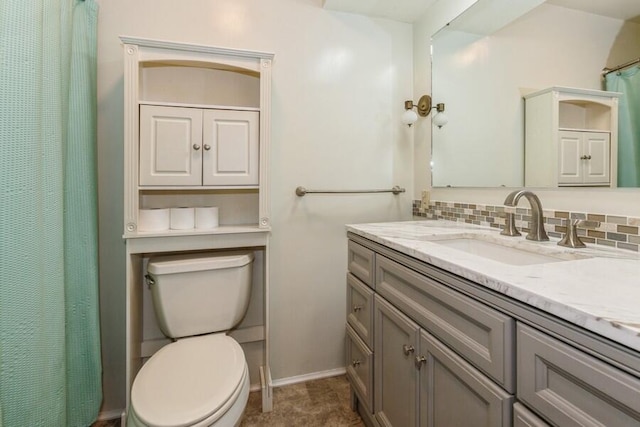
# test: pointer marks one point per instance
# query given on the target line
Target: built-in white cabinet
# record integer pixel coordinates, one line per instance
(448, 352)
(198, 147)
(571, 138)
(196, 135)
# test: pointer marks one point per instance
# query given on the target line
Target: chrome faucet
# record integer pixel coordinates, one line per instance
(536, 227)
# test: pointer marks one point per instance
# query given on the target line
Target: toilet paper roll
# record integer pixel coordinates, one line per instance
(182, 218)
(153, 219)
(206, 217)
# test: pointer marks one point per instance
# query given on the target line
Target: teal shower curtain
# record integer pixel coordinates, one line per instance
(627, 82)
(50, 369)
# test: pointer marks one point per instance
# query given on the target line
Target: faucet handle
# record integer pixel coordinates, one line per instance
(571, 238)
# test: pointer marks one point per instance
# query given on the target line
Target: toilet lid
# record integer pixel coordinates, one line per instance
(188, 380)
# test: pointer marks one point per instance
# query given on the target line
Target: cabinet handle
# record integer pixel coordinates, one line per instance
(357, 308)
(586, 157)
(355, 363)
(207, 147)
(196, 147)
(408, 349)
(420, 360)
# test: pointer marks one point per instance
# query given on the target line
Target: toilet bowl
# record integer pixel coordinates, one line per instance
(200, 380)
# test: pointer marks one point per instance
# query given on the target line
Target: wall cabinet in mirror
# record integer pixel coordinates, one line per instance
(571, 138)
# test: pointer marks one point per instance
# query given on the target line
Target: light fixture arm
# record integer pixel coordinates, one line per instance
(423, 107)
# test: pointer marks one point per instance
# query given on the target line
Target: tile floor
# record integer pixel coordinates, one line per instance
(319, 403)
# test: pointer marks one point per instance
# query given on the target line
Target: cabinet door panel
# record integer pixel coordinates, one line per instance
(597, 148)
(167, 139)
(360, 309)
(571, 388)
(482, 335)
(396, 377)
(454, 393)
(569, 162)
(231, 142)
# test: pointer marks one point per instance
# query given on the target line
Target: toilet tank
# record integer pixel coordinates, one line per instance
(200, 293)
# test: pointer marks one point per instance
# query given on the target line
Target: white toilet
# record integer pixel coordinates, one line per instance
(201, 379)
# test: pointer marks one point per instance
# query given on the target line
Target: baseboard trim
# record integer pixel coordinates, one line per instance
(110, 415)
(308, 377)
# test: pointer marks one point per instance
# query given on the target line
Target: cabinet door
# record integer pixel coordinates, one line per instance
(454, 393)
(597, 150)
(569, 162)
(396, 376)
(231, 148)
(170, 145)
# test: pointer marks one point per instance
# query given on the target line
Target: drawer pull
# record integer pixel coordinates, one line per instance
(357, 308)
(207, 147)
(355, 363)
(420, 360)
(408, 349)
(196, 147)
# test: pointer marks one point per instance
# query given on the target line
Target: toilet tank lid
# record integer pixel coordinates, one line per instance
(198, 262)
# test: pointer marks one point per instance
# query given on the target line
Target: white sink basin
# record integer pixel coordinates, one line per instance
(503, 254)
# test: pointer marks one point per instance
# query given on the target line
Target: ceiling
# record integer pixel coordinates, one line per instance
(398, 10)
(411, 10)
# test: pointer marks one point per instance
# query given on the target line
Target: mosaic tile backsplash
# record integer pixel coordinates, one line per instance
(615, 231)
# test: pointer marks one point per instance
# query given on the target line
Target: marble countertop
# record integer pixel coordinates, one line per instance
(597, 288)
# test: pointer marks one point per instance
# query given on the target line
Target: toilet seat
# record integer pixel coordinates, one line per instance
(189, 381)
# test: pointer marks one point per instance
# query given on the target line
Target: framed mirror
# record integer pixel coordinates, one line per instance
(487, 60)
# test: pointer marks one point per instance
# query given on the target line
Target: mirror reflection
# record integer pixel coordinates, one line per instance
(498, 54)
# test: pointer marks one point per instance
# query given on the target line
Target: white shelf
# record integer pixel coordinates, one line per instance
(223, 229)
(203, 106)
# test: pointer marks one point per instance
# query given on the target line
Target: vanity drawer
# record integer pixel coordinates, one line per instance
(572, 388)
(360, 309)
(360, 261)
(483, 336)
(360, 367)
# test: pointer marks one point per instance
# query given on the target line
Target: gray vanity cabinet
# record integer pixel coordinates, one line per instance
(449, 352)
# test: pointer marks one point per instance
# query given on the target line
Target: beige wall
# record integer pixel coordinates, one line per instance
(338, 85)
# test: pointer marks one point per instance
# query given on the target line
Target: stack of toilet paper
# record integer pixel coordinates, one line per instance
(182, 218)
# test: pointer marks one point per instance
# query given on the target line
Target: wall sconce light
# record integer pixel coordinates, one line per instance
(423, 107)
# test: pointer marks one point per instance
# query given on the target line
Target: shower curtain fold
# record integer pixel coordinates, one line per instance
(50, 372)
(628, 82)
